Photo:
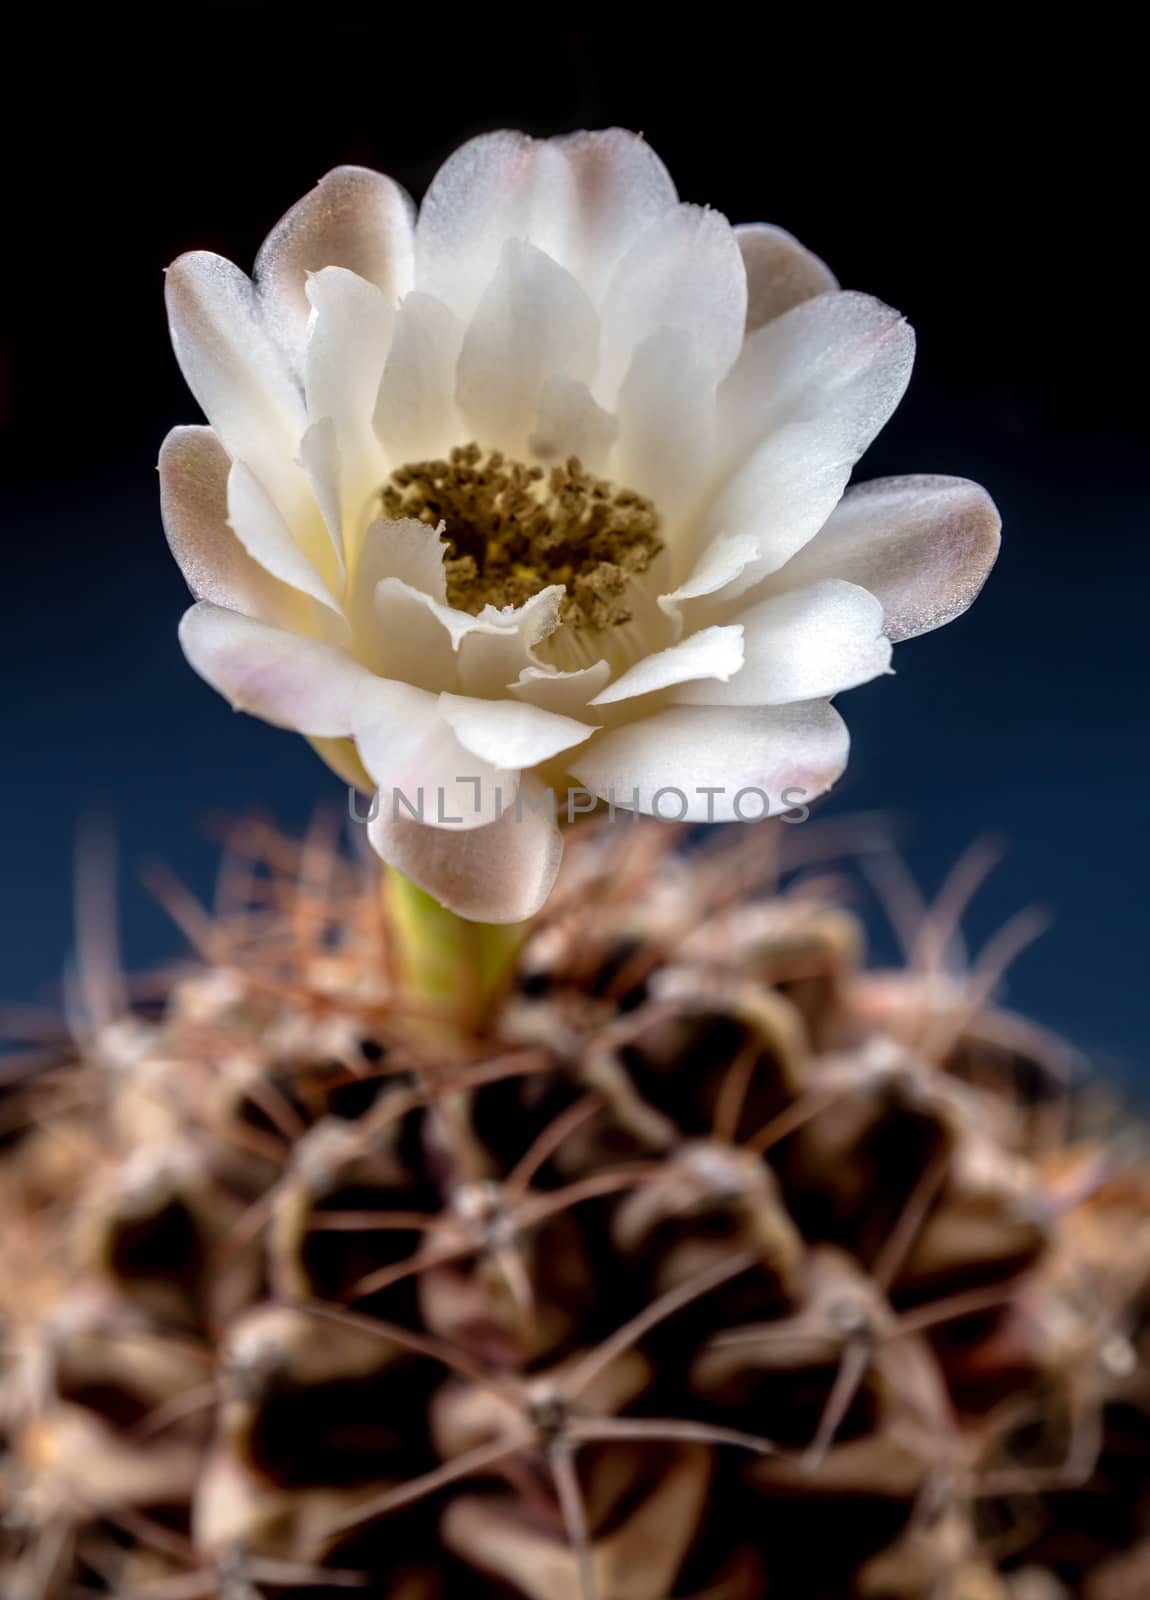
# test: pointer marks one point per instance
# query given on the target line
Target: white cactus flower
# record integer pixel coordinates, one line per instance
(543, 486)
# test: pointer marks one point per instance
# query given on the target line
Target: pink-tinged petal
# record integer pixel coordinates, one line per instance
(266, 538)
(569, 422)
(420, 765)
(621, 188)
(666, 410)
(347, 349)
(923, 545)
(843, 360)
(497, 187)
(569, 693)
(533, 322)
(804, 645)
(684, 271)
(509, 734)
(415, 418)
(194, 469)
(353, 218)
(287, 680)
(781, 272)
(503, 872)
(789, 753)
(714, 654)
(237, 372)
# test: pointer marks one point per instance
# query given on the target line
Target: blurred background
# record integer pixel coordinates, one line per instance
(990, 190)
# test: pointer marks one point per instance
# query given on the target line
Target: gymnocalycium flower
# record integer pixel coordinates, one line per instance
(545, 485)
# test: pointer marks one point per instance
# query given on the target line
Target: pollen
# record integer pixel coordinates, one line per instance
(513, 530)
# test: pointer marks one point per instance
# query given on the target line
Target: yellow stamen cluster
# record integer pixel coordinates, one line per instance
(514, 529)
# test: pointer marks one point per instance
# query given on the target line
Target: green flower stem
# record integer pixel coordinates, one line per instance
(460, 968)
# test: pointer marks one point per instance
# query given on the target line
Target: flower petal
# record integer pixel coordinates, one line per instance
(583, 199)
(714, 654)
(194, 469)
(405, 638)
(569, 693)
(843, 359)
(666, 413)
(789, 753)
(534, 322)
(508, 733)
(569, 422)
(621, 188)
(319, 457)
(407, 549)
(346, 351)
(923, 545)
(266, 538)
(781, 272)
(503, 872)
(237, 372)
(497, 187)
(415, 418)
(779, 500)
(353, 218)
(804, 645)
(293, 682)
(685, 272)
(495, 646)
(421, 767)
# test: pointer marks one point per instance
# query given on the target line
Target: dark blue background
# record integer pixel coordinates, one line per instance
(991, 194)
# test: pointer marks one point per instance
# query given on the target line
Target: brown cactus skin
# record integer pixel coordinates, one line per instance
(715, 1268)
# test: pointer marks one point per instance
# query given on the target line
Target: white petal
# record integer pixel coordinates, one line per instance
(844, 359)
(666, 421)
(569, 693)
(418, 762)
(804, 645)
(583, 199)
(237, 372)
(781, 273)
(347, 348)
(353, 218)
(685, 272)
(533, 322)
(569, 422)
(779, 500)
(496, 646)
(265, 536)
(509, 734)
(713, 654)
(386, 623)
(194, 469)
(319, 457)
(416, 418)
(621, 188)
(500, 873)
(497, 187)
(789, 753)
(287, 680)
(406, 638)
(923, 545)
(723, 560)
(407, 549)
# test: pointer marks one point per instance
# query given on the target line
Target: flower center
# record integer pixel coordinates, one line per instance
(514, 529)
